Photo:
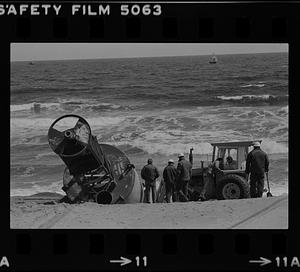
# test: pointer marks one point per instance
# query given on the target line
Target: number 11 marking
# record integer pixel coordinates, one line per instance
(137, 258)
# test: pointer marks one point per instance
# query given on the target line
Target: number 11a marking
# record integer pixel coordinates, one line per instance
(137, 258)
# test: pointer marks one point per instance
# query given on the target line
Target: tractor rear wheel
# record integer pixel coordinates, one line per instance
(232, 187)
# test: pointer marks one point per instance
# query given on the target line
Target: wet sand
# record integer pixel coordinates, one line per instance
(45, 212)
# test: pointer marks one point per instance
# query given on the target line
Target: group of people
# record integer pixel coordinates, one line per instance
(176, 179)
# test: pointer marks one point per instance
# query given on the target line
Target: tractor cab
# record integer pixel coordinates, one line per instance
(225, 177)
(232, 154)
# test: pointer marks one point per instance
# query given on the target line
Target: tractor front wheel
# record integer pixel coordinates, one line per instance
(232, 187)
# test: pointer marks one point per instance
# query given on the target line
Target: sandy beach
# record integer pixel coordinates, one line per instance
(45, 212)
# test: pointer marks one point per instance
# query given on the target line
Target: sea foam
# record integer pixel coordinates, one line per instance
(200, 148)
(54, 187)
(30, 106)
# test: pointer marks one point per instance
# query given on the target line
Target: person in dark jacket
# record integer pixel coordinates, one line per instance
(257, 164)
(169, 175)
(150, 173)
(184, 173)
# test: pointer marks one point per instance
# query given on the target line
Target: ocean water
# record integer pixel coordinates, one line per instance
(149, 107)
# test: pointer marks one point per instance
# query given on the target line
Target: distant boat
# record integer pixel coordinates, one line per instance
(31, 63)
(213, 60)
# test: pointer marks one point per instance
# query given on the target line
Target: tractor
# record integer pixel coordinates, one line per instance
(225, 179)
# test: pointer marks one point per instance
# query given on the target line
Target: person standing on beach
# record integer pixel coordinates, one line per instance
(150, 173)
(169, 175)
(257, 164)
(184, 173)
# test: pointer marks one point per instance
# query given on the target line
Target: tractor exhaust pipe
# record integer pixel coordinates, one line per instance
(104, 197)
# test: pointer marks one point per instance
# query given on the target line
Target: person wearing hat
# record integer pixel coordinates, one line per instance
(257, 164)
(184, 173)
(169, 175)
(150, 173)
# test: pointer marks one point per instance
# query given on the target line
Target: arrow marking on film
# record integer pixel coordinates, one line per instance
(263, 261)
(122, 262)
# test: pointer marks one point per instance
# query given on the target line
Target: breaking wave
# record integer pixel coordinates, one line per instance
(44, 123)
(84, 106)
(201, 148)
(255, 99)
(259, 85)
(54, 187)
(67, 105)
(30, 106)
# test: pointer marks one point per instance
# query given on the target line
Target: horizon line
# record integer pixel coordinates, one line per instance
(137, 57)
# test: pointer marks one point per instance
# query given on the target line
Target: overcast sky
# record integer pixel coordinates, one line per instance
(59, 51)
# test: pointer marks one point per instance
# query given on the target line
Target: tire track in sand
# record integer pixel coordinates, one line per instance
(49, 222)
(54, 219)
(261, 212)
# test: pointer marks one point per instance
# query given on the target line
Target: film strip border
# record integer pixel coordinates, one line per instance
(164, 249)
(226, 22)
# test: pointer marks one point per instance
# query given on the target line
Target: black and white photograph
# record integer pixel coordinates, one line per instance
(149, 136)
